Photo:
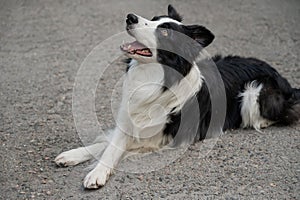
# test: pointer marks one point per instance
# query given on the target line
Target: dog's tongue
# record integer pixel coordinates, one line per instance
(136, 48)
(133, 46)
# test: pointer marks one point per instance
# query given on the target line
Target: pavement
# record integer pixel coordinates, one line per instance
(42, 45)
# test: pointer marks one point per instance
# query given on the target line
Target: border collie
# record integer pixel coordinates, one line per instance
(166, 85)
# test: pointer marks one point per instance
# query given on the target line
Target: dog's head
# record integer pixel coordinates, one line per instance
(164, 35)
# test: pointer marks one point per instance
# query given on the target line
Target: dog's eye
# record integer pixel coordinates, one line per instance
(164, 32)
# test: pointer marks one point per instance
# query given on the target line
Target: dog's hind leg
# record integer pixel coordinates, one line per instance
(81, 154)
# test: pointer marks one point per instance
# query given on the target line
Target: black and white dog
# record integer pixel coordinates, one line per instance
(166, 79)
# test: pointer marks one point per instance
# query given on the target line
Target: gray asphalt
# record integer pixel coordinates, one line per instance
(43, 43)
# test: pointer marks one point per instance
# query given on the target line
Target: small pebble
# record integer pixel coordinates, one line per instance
(141, 177)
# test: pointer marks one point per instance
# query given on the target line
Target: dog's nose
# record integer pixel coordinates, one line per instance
(131, 19)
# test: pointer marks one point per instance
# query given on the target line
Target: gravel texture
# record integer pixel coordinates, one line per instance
(43, 43)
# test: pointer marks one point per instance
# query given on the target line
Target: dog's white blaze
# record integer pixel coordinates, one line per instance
(250, 109)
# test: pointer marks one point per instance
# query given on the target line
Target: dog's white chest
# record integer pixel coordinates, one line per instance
(141, 90)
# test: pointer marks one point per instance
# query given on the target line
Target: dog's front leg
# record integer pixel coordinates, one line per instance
(110, 159)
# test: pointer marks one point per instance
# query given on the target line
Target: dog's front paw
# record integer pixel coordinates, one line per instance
(97, 177)
(71, 158)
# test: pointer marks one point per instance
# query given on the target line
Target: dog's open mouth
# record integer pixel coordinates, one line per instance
(136, 48)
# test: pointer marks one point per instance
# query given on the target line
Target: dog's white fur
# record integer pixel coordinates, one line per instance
(251, 116)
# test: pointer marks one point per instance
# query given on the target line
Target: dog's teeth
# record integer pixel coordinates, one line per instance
(129, 46)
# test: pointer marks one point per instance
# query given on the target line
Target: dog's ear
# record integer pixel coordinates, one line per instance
(172, 13)
(201, 34)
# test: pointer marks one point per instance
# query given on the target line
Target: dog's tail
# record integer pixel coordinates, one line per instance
(279, 102)
(292, 113)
